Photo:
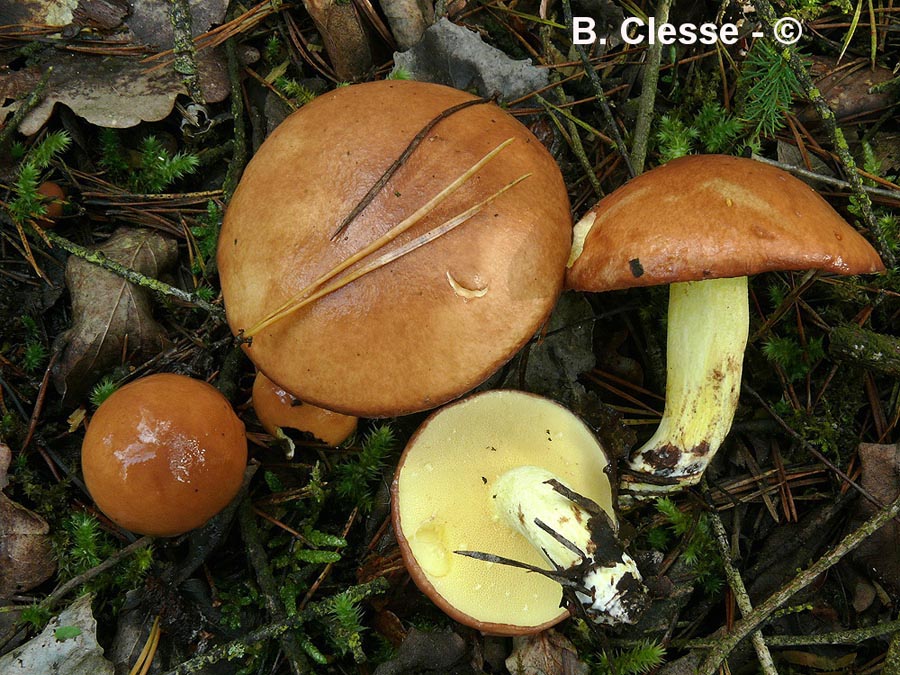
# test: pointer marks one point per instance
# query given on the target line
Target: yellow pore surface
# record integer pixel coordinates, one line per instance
(446, 499)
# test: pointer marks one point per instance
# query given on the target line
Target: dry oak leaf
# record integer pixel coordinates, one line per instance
(26, 554)
(67, 646)
(111, 315)
(114, 91)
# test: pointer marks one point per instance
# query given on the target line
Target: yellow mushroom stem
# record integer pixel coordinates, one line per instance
(581, 545)
(707, 334)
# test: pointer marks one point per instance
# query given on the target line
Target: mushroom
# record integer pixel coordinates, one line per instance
(164, 454)
(703, 223)
(519, 478)
(426, 327)
(54, 199)
(278, 409)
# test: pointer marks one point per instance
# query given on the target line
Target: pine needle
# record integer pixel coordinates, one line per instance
(304, 296)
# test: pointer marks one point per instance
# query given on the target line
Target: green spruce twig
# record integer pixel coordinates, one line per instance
(750, 623)
(768, 17)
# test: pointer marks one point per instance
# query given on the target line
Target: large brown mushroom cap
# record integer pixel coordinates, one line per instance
(431, 325)
(442, 500)
(712, 216)
(164, 454)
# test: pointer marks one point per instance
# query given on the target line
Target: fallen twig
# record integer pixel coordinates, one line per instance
(598, 93)
(830, 180)
(159, 287)
(29, 104)
(401, 160)
(737, 584)
(277, 612)
(238, 648)
(726, 643)
(239, 156)
(62, 591)
(647, 99)
(185, 63)
(866, 348)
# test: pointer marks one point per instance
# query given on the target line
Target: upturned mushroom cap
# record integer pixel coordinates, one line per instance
(431, 325)
(164, 454)
(277, 408)
(442, 501)
(711, 216)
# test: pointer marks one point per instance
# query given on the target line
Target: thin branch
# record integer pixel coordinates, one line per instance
(401, 160)
(29, 104)
(574, 141)
(256, 554)
(237, 648)
(75, 582)
(830, 180)
(239, 156)
(647, 99)
(842, 637)
(185, 63)
(159, 287)
(736, 582)
(599, 94)
(726, 643)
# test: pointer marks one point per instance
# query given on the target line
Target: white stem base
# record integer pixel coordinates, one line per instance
(707, 334)
(612, 589)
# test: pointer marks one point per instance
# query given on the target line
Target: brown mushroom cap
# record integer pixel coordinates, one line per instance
(441, 501)
(55, 198)
(710, 216)
(276, 408)
(164, 454)
(431, 325)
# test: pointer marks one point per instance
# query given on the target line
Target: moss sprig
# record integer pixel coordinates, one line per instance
(354, 479)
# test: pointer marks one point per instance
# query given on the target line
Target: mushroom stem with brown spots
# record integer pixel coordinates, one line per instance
(704, 223)
(708, 325)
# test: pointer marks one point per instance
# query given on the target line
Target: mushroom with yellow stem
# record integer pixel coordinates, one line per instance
(164, 454)
(514, 477)
(704, 223)
(278, 409)
(451, 265)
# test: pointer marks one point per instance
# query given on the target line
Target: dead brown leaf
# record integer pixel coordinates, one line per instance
(848, 89)
(113, 90)
(547, 653)
(111, 316)
(26, 555)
